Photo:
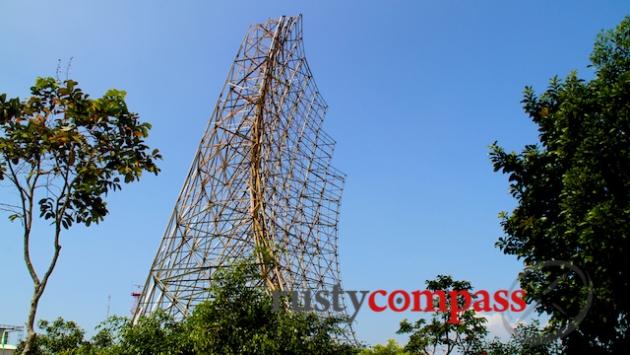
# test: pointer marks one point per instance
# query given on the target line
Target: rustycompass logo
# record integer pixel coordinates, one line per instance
(453, 302)
(512, 304)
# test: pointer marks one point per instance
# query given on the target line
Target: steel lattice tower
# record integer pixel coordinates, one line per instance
(261, 184)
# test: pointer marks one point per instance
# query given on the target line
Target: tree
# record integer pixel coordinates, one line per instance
(240, 318)
(63, 152)
(58, 337)
(109, 334)
(155, 334)
(526, 339)
(466, 335)
(573, 195)
(391, 348)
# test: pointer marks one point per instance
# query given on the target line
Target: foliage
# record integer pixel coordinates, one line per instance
(238, 319)
(63, 152)
(157, 334)
(59, 337)
(527, 339)
(391, 348)
(109, 333)
(573, 194)
(89, 145)
(439, 334)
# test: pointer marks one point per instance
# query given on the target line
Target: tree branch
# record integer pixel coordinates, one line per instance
(9, 208)
(27, 213)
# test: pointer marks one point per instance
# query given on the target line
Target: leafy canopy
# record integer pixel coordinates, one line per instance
(441, 335)
(79, 148)
(59, 337)
(573, 194)
(239, 319)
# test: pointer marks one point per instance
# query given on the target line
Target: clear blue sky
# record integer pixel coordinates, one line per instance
(417, 91)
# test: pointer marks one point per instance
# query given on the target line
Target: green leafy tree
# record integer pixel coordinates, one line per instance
(153, 335)
(240, 319)
(439, 334)
(391, 348)
(59, 337)
(109, 334)
(63, 152)
(526, 339)
(573, 194)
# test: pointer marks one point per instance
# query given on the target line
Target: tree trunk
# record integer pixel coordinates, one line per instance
(30, 324)
(37, 295)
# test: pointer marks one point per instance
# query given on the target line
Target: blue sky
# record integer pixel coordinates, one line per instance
(417, 91)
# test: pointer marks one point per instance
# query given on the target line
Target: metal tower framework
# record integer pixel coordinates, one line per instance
(261, 185)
